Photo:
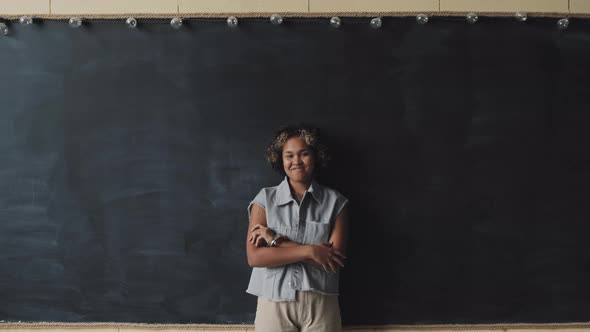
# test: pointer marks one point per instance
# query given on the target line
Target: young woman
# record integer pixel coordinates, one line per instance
(297, 239)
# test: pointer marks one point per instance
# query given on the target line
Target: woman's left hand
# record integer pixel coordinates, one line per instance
(261, 235)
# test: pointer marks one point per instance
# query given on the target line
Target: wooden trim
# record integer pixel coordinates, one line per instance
(291, 15)
(559, 6)
(112, 6)
(27, 6)
(213, 327)
(242, 6)
(301, 8)
(374, 5)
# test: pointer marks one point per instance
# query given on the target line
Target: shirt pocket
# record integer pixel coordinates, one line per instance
(316, 232)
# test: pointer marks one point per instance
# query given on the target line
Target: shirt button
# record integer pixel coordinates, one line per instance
(289, 283)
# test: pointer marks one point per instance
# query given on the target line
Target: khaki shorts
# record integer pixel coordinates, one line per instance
(311, 312)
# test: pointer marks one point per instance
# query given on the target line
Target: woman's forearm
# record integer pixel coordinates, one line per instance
(290, 244)
(277, 256)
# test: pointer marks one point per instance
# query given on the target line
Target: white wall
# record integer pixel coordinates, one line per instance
(57, 7)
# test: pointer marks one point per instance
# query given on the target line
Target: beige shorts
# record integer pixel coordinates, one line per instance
(311, 312)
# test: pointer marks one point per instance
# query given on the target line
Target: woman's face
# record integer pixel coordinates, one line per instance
(298, 160)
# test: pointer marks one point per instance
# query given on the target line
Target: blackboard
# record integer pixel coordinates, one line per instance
(128, 157)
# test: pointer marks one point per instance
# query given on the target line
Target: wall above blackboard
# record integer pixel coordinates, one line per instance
(60, 7)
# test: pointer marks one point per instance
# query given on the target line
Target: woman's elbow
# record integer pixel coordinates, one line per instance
(252, 260)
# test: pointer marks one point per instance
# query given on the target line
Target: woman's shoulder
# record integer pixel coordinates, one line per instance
(333, 200)
(268, 193)
(268, 190)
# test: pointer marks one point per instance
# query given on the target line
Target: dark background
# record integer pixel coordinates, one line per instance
(128, 158)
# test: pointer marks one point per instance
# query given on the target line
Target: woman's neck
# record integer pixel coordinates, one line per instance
(299, 188)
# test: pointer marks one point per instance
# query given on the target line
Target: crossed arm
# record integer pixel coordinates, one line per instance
(327, 255)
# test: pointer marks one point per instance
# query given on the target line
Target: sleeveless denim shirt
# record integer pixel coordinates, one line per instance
(310, 222)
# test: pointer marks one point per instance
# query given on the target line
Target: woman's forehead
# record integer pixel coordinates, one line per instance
(295, 144)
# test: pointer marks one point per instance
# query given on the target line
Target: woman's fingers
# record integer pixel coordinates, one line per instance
(335, 251)
(252, 233)
(339, 254)
(259, 241)
(338, 260)
(332, 267)
(254, 237)
(259, 233)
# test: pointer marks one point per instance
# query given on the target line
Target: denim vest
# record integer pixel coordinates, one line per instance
(310, 222)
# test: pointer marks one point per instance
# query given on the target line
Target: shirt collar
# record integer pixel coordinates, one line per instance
(284, 193)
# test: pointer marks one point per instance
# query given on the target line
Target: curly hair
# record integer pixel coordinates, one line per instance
(309, 134)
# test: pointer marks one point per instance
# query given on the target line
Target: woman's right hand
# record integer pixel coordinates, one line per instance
(261, 235)
(326, 256)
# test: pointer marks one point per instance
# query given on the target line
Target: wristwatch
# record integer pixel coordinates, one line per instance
(276, 240)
